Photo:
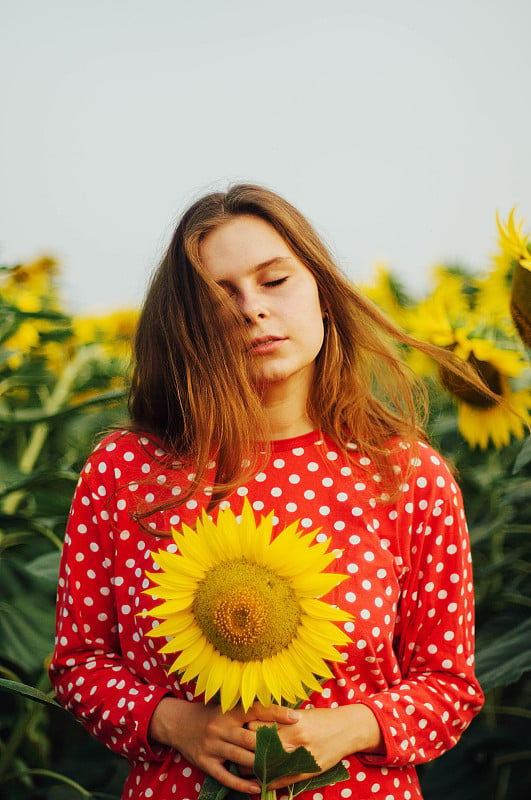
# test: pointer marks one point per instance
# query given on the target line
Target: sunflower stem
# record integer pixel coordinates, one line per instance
(51, 405)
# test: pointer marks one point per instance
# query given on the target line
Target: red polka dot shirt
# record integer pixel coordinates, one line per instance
(409, 588)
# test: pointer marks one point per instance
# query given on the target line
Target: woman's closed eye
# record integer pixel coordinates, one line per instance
(276, 282)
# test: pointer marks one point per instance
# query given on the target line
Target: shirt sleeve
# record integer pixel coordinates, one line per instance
(88, 671)
(437, 695)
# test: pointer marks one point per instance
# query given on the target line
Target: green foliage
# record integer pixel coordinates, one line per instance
(493, 758)
(49, 419)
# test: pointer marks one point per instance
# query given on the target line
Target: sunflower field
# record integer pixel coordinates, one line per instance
(63, 381)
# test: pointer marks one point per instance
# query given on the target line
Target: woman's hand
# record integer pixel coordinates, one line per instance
(208, 738)
(329, 734)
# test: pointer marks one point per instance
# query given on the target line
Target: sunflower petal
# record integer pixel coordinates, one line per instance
(230, 688)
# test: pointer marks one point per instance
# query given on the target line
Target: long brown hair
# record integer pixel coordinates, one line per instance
(191, 386)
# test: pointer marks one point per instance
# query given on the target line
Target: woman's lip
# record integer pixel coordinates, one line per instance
(265, 344)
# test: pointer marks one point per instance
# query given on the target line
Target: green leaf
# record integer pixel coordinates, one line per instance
(524, 456)
(506, 659)
(271, 761)
(14, 687)
(27, 616)
(212, 789)
(328, 778)
(46, 567)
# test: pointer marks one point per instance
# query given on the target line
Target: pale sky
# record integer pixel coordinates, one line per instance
(398, 128)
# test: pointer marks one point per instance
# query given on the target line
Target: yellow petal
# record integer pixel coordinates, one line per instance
(250, 680)
(194, 666)
(319, 610)
(216, 674)
(230, 688)
(316, 585)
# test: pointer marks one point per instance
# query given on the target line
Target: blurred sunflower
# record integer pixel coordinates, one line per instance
(113, 331)
(481, 418)
(515, 252)
(242, 610)
(32, 287)
(446, 310)
(388, 293)
(494, 297)
(20, 344)
(442, 318)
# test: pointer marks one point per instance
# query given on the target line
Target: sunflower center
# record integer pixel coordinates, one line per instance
(469, 394)
(246, 610)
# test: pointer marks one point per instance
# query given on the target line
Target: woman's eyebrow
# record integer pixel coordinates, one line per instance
(271, 262)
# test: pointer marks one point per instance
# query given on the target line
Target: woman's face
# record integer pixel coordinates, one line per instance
(276, 294)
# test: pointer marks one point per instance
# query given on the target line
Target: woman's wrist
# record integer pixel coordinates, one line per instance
(362, 730)
(162, 725)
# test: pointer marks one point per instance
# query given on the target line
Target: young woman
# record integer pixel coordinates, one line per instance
(263, 376)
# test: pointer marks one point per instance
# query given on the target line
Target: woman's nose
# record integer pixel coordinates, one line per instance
(252, 307)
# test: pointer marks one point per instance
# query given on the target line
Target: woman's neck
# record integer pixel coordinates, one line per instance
(286, 415)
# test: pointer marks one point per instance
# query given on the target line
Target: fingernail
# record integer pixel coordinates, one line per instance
(293, 715)
(254, 789)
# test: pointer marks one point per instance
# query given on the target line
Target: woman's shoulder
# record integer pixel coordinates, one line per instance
(124, 449)
(425, 472)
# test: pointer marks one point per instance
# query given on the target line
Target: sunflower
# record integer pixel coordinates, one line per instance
(494, 297)
(481, 418)
(446, 310)
(440, 319)
(513, 242)
(388, 293)
(242, 610)
(31, 287)
(516, 251)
